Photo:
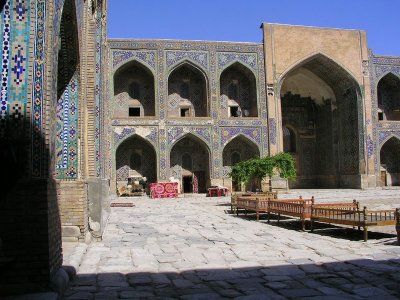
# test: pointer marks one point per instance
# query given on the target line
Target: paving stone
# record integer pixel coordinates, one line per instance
(299, 292)
(135, 295)
(201, 296)
(191, 248)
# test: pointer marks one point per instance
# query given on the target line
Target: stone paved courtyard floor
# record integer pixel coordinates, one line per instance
(193, 248)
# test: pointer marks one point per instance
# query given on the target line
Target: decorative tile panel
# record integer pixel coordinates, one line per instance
(175, 133)
(172, 57)
(146, 57)
(67, 131)
(249, 59)
(228, 133)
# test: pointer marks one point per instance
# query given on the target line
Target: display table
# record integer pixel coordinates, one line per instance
(163, 190)
(217, 191)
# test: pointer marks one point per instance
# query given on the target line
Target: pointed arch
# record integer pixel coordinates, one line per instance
(390, 162)
(130, 134)
(241, 145)
(190, 160)
(238, 91)
(187, 61)
(289, 139)
(192, 100)
(320, 98)
(134, 90)
(387, 73)
(129, 60)
(135, 157)
(393, 135)
(388, 96)
(316, 56)
(191, 136)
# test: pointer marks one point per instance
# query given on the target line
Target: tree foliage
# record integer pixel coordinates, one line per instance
(281, 164)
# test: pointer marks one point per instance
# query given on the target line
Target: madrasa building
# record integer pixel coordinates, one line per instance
(81, 114)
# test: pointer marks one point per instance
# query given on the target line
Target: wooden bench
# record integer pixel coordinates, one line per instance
(236, 195)
(298, 208)
(257, 204)
(353, 216)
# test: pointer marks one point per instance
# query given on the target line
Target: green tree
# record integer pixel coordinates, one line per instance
(281, 164)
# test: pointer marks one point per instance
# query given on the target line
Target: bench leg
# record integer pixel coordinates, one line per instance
(365, 233)
(311, 225)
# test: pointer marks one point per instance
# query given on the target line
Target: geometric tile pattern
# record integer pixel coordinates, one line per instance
(199, 57)
(147, 57)
(249, 59)
(37, 91)
(15, 35)
(210, 58)
(67, 131)
(382, 131)
(229, 133)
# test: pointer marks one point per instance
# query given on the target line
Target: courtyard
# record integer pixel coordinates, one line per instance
(192, 247)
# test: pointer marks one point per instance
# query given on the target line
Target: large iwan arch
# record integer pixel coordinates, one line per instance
(320, 102)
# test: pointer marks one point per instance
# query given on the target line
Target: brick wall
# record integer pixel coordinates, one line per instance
(72, 201)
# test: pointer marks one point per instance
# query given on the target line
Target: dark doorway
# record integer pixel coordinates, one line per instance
(187, 184)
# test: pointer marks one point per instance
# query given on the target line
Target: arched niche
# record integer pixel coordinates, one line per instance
(289, 140)
(134, 92)
(389, 98)
(319, 102)
(390, 163)
(135, 157)
(187, 92)
(238, 92)
(190, 158)
(239, 149)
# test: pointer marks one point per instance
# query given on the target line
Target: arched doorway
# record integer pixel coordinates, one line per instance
(390, 163)
(135, 158)
(190, 157)
(389, 98)
(187, 92)
(238, 91)
(239, 149)
(319, 105)
(134, 91)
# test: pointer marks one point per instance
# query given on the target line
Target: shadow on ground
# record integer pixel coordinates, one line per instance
(352, 279)
(342, 232)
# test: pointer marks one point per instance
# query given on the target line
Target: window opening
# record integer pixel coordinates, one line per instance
(134, 111)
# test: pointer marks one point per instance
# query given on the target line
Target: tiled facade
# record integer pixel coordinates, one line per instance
(163, 59)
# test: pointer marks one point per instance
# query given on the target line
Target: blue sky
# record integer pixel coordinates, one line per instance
(240, 20)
